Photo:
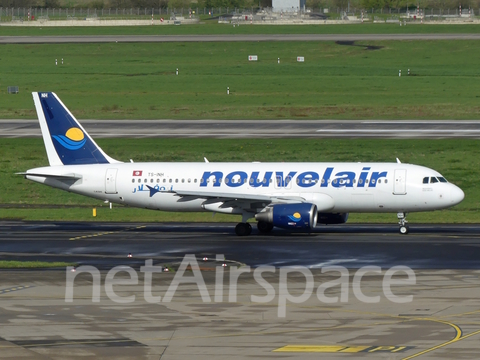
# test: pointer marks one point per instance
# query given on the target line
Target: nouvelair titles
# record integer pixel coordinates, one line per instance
(306, 179)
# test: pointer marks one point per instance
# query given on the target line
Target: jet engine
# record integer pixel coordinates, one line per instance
(301, 216)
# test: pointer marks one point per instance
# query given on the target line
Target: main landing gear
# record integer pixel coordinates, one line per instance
(402, 222)
(243, 229)
(264, 227)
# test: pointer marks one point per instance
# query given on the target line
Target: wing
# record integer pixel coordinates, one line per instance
(242, 197)
(235, 203)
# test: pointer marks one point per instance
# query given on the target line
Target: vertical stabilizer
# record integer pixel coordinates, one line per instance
(66, 141)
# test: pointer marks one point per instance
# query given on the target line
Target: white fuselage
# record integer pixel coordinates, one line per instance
(332, 187)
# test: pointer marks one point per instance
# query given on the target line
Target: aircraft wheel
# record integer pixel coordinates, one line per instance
(404, 229)
(249, 227)
(243, 229)
(264, 227)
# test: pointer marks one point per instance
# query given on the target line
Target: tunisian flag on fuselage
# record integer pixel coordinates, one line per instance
(137, 173)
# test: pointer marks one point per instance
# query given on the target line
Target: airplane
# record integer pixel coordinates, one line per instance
(292, 196)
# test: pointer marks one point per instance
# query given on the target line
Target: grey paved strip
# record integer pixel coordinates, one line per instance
(259, 128)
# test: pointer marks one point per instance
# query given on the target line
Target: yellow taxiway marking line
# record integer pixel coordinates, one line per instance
(341, 348)
(107, 233)
(15, 288)
(441, 345)
(458, 336)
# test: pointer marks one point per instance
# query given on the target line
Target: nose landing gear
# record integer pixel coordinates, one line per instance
(402, 222)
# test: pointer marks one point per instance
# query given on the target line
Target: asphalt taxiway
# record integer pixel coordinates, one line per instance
(353, 246)
(442, 320)
(260, 128)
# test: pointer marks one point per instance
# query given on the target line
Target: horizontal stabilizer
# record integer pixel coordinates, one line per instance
(57, 176)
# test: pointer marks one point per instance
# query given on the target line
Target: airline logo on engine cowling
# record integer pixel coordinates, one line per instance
(295, 217)
(306, 179)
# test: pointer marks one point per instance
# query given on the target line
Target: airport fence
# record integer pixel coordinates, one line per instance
(26, 14)
(45, 14)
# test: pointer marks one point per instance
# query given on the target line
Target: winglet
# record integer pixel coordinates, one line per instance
(66, 141)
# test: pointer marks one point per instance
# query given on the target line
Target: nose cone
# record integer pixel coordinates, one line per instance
(456, 195)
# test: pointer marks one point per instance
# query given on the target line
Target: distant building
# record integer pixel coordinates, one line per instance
(288, 5)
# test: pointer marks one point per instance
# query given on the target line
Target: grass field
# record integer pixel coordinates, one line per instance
(138, 81)
(14, 264)
(457, 160)
(213, 28)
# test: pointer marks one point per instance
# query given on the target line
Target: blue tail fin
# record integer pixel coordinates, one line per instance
(66, 141)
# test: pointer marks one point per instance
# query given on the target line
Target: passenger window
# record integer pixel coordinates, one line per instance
(158, 180)
(133, 180)
(164, 180)
(139, 180)
(442, 179)
(194, 180)
(189, 180)
(386, 181)
(360, 181)
(379, 181)
(151, 180)
(145, 180)
(170, 180)
(433, 180)
(425, 180)
(183, 180)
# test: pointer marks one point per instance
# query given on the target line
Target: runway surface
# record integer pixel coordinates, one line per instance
(229, 38)
(353, 246)
(260, 128)
(244, 318)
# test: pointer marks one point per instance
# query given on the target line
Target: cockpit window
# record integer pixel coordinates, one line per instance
(434, 179)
